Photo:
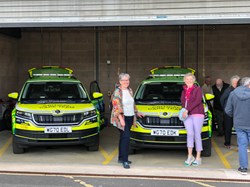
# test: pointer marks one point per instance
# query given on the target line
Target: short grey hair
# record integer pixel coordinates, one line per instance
(189, 75)
(246, 81)
(122, 75)
(235, 77)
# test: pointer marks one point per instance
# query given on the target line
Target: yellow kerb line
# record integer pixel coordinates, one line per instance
(220, 154)
(5, 147)
(107, 156)
(231, 152)
(200, 183)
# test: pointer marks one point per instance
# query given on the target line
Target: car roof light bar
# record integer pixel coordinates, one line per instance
(52, 75)
(49, 71)
(170, 71)
(167, 75)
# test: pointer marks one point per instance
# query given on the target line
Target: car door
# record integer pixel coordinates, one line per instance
(98, 102)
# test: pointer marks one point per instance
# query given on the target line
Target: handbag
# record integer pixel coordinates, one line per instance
(182, 111)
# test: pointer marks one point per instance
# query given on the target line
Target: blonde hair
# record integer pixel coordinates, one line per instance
(189, 75)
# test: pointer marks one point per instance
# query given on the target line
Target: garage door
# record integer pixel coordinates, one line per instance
(51, 13)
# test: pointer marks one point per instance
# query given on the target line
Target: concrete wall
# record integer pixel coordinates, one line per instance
(8, 65)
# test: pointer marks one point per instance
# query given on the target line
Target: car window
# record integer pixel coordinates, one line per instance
(167, 91)
(54, 91)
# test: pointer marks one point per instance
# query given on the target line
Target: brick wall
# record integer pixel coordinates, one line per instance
(73, 48)
(223, 51)
(220, 51)
(8, 61)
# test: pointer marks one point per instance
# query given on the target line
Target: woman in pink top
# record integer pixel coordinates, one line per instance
(191, 99)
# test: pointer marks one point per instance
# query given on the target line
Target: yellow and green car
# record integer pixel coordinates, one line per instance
(158, 98)
(54, 108)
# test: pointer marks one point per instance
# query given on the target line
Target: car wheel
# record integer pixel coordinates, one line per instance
(95, 146)
(132, 151)
(16, 147)
(207, 146)
(7, 119)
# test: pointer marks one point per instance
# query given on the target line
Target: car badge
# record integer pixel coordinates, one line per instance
(57, 111)
(165, 113)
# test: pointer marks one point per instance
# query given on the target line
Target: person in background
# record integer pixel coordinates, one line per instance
(218, 89)
(228, 120)
(207, 86)
(191, 99)
(207, 89)
(238, 107)
(123, 116)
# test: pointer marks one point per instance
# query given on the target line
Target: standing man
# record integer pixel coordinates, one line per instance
(228, 121)
(238, 107)
(207, 89)
(207, 86)
(218, 89)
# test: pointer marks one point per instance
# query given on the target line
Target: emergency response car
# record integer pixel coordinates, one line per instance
(158, 98)
(54, 108)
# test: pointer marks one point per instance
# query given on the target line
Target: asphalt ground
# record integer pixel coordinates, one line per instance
(9, 180)
(76, 160)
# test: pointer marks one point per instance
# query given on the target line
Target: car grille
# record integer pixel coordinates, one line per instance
(41, 135)
(64, 119)
(148, 121)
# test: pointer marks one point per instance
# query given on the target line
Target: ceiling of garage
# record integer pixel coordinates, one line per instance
(65, 13)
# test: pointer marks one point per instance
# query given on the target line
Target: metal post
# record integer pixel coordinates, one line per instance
(97, 54)
(181, 46)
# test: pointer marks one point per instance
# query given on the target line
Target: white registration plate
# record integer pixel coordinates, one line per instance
(61, 129)
(164, 132)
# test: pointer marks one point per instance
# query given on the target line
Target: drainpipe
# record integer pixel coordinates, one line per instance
(181, 46)
(97, 54)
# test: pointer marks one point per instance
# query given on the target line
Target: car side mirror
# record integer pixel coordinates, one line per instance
(13, 95)
(209, 97)
(97, 95)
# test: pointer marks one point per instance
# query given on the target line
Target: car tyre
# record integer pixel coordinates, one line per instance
(207, 148)
(132, 151)
(16, 147)
(7, 120)
(95, 146)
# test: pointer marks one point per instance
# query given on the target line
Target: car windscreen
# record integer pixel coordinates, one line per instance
(56, 92)
(160, 92)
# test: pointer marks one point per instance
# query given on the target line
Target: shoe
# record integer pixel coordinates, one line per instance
(228, 146)
(189, 161)
(196, 162)
(243, 171)
(120, 161)
(220, 134)
(126, 165)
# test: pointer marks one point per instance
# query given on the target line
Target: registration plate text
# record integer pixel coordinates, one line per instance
(164, 132)
(62, 129)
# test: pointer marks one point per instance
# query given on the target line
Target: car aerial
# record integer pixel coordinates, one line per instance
(54, 108)
(158, 99)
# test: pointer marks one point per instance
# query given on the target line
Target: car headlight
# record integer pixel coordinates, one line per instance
(23, 114)
(89, 113)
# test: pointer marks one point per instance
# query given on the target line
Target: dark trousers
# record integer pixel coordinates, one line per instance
(219, 118)
(228, 129)
(125, 139)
